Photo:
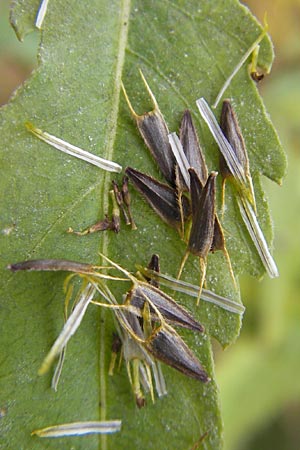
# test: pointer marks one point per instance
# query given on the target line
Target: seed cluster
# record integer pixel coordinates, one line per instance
(146, 319)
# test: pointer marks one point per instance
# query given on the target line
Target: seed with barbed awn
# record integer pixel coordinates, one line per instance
(156, 339)
(245, 192)
(154, 130)
(203, 219)
(193, 290)
(237, 169)
(232, 132)
(191, 146)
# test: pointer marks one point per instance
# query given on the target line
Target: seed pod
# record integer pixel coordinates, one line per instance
(154, 131)
(52, 265)
(167, 346)
(171, 311)
(203, 214)
(232, 131)
(191, 147)
(244, 191)
(162, 198)
(102, 225)
(225, 148)
(192, 150)
(203, 220)
(188, 154)
(193, 291)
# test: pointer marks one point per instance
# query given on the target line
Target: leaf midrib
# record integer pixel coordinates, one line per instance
(104, 193)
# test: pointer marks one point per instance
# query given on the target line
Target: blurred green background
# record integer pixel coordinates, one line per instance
(259, 375)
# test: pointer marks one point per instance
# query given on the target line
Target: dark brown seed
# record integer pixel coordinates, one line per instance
(232, 132)
(191, 147)
(154, 131)
(52, 265)
(203, 219)
(203, 214)
(102, 225)
(167, 346)
(218, 242)
(162, 198)
(231, 129)
(155, 134)
(171, 311)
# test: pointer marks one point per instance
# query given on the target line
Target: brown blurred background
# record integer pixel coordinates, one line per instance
(16, 59)
(259, 375)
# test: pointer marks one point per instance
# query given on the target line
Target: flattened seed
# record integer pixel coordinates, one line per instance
(168, 347)
(161, 197)
(154, 131)
(170, 310)
(232, 131)
(203, 212)
(51, 265)
(191, 147)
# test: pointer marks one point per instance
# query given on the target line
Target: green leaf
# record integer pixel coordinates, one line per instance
(186, 50)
